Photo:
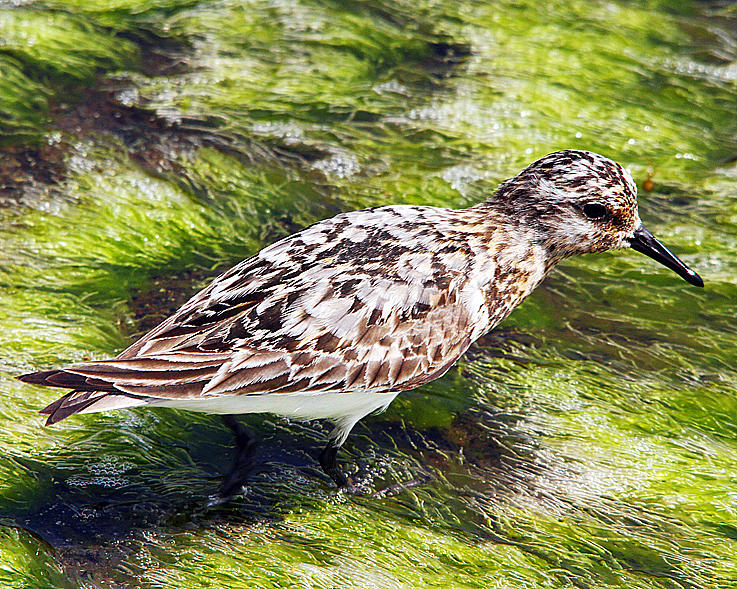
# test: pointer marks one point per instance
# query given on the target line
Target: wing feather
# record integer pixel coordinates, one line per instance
(319, 311)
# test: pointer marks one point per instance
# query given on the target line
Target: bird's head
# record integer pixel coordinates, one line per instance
(579, 202)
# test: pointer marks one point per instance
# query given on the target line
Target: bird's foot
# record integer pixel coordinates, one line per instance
(346, 485)
(245, 446)
(330, 466)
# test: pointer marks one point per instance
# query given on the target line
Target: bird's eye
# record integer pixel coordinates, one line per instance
(595, 211)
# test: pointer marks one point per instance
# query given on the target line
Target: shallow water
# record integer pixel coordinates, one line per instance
(588, 442)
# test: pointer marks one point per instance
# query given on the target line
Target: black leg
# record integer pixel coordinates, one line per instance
(330, 465)
(245, 444)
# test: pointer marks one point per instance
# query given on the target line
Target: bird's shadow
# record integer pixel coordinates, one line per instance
(101, 493)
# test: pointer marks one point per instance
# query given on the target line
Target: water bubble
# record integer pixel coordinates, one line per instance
(339, 165)
(459, 177)
(128, 97)
(391, 86)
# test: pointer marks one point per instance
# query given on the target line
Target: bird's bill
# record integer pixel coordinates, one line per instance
(644, 242)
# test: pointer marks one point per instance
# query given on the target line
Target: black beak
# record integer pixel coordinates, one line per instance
(643, 241)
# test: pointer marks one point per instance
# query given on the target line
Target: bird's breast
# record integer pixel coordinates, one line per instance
(500, 279)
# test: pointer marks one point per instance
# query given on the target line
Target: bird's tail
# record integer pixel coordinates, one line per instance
(90, 395)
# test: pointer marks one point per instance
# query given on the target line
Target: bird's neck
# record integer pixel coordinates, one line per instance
(509, 261)
(510, 240)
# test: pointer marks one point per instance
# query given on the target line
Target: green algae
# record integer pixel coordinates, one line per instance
(60, 46)
(588, 443)
(306, 554)
(24, 108)
(43, 53)
(25, 562)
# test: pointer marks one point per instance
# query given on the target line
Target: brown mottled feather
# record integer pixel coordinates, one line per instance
(267, 326)
(380, 300)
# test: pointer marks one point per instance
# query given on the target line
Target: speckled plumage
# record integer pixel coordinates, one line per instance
(334, 321)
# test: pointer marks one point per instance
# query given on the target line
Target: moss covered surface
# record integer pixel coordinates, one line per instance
(146, 146)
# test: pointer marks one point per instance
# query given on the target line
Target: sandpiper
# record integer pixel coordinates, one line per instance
(336, 320)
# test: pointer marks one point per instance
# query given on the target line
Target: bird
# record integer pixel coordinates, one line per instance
(333, 322)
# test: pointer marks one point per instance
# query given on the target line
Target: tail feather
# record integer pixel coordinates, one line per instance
(67, 380)
(114, 384)
(87, 402)
(90, 394)
(69, 404)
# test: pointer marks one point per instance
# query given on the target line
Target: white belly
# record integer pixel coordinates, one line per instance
(345, 409)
